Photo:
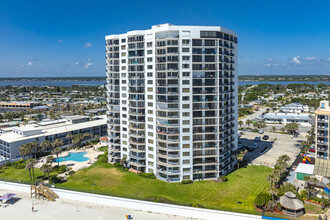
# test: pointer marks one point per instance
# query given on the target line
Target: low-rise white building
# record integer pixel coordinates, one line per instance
(304, 119)
(49, 130)
(294, 107)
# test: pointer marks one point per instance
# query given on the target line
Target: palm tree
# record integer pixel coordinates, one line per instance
(57, 143)
(292, 127)
(30, 165)
(35, 148)
(50, 159)
(52, 115)
(69, 137)
(57, 151)
(46, 168)
(46, 145)
(282, 129)
(284, 158)
(77, 139)
(307, 179)
(87, 136)
(248, 122)
(43, 169)
(240, 157)
(273, 128)
(24, 150)
(240, 123)
(256, 124)
(97, 137)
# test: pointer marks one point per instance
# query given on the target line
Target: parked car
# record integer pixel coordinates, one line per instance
(261, 131)
(265, 137)
(240, 146)
(250, 148)
(311, 149)
(255, 145)
(257, 138)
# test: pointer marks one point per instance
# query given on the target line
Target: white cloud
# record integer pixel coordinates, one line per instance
(87, 65)
(268, 65)
(310, 58)
(60, 40)
(296, 61)
(88, 45)
(270, 59)
(328, 59)
(76, 63)
(30, 63)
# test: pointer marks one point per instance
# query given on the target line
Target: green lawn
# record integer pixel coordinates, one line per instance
(21, 174)
(242, 185)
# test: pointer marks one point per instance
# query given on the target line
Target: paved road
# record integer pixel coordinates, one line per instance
(254, 115)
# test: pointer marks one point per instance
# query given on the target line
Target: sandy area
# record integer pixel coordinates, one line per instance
(92, 154)
(68, 209)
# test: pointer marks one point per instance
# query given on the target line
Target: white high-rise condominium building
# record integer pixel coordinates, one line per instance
(172, 100)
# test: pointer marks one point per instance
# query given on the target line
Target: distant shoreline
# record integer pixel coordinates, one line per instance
(49, 79)
(242, 78)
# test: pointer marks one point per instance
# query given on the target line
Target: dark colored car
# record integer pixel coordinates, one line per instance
(265, 137)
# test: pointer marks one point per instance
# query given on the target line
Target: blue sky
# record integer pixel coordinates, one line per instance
(66, 38)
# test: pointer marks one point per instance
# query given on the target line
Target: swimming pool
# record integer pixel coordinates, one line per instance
(78, 157)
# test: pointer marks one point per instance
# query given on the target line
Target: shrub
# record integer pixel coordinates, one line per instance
(196, 205)
(224, 178)
(103, 158)
(7, 164)
(71, 172)
(117, 164)
(103, 148)
(304, 194)
(148, 175)
(262, 199)
(187, 181)
(20, 164)
(62, 169)
(54, 179)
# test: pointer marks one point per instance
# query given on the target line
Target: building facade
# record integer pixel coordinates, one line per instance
(294, 108)
(17, 106)
(172, 101)
(322, 115)
(285, 118)
(12, 139)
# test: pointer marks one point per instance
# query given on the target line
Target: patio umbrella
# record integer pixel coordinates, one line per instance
(7, 196)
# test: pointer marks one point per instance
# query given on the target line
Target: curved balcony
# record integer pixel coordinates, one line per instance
(137, 157)
(139, 150)
(137, 164)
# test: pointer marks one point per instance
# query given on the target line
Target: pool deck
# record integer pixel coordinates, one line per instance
(92, 154)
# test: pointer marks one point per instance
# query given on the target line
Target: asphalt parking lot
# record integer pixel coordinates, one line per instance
(284, 144)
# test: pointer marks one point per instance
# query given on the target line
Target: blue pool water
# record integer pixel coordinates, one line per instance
(78, 157)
